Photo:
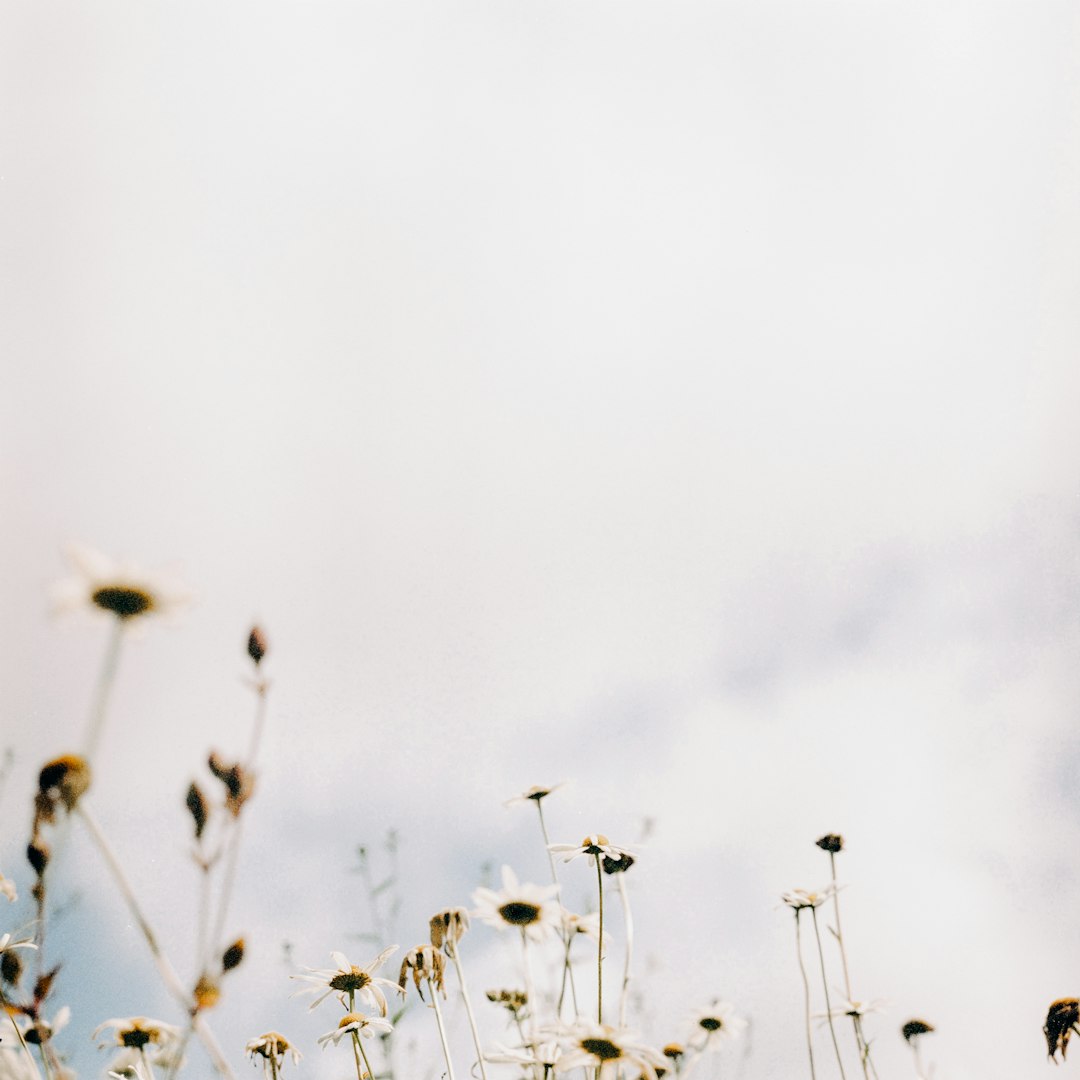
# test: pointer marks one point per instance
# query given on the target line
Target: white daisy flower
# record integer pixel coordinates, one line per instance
(608, 1050)
(806, 898)
(855, 1009)
(589, 925)
(531, 909)
(137, 1032)
(349, 982)
(595, 846)
(546, 1055)
(367, 1026)
(6, 943)
(124, 590)
(533, 794)
(717, 1024)
(272, 1047)
(41, 1030)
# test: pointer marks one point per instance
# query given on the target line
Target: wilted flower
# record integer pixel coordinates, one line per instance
(348, 981)
(425, 962)
(256, 645)
(1061, 1022)
(447, 928)
(137, 1032)
(719, 1023)
(66, 779)
(41, 1030)
(533, 794)
(545, 1056)
(512, 1000)
(914, 1028)
(120, 589)
(358, 1023)
(531, 909)
(619, 865)
(198, 807)
(804, 898)
(239, 782)
(831, 842)
(607, 1050)
(272, 1047)
(593, 846)
(855, 1009)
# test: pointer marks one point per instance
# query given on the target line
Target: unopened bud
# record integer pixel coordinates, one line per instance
(831, 842)
(199, 809)
(37, 855)
(233, 955)
(256, 644)
(10, 967)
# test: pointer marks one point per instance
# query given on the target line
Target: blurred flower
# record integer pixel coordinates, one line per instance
(272, 1046)
(347, 979)
(831, 842)
(589, 925)
(512, 1000)
(674, 1051)
(804, 898)
(355, 1022)
(448, 927)
(6, 943)
(719, 1023)
(137, 1032)
(855, 1009)
(256, 645)
(607, 1050)
(67, 779)
(545, 1055)
(529, 908)
(120, 589)
(914, 1028)
(533, 794)
(425, 962)
(41, 1030)
(619, 865)
(7, 888)
(597, 844)
(1061, 1022)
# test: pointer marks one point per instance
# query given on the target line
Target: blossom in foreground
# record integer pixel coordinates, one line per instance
(348, 981)
(596, 845)
(719, 1023)
(272, 1047)
(855, 1009)
(799, 899)
(608, 1050)
(101, 585)
(531, 909)
(358, 1023)
(137, 1032)
(533, 794)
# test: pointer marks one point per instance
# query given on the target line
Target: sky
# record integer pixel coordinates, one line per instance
(676, 400)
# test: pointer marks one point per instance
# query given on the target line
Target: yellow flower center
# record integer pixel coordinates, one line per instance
(350, 981)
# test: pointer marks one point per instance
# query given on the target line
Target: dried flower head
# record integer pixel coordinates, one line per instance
(347, 981)
(119, 589)
(425, 962)
(11, 967)
(1061, 1021)
(272, 1046)
(40, 1030)
(512, 1000)
(357, 1023)
(674, 1051)
(233, 956)
(239, 782)
(831, 842)
(531, 909)
(448, 927)
(619, 865)
(256, 645)
(914, 1028)
(66, 779)
(207, 992)
(198, 807)
(37, 855)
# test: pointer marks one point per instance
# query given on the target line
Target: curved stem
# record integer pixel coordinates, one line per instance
(825, 985)
(806, 993)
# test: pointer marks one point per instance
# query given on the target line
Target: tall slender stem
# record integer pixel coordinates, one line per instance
(567, 935)
(806, 992)
(628, 929)
(363, 1054)
(468, 1010)
(600, 944)
(95, 725)
(825, 985)
(442, 1030)
(860, 1042)
(164, 965)
(4, 1004)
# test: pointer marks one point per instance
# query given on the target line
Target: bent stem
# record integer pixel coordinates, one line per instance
(806, 992)
(628, 928)
(828, 1004)
(468, 1010)
(165, 969)
(442, 1030)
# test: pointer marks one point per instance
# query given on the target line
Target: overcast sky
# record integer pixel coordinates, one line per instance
(674, 399)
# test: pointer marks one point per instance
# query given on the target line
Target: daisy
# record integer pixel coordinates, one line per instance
(42, 1030)
(358, 1023)
(799, 899)
(425, 962)
(533, 794)
(718, 1023)
(546, 1055)
(532, 909)
(120, 589)
(855, 1009)
(593, 846)
(607, 1050)
(136, 1032)
(272, 1047)
(589, 925)
(347, 980)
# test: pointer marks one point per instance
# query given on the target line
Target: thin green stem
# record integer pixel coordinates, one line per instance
(825, 985)
(363, 1054)
(806, 992)
(5, 1005)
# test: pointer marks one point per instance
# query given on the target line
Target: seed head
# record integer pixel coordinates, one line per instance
(256, 645)
(1061, 1022)
(448, 927)
(65, 778)
(425, 963)
(831, 842)
(238, 782)
(37, 855)
(198, 807)
(233, 955)
(10, 967)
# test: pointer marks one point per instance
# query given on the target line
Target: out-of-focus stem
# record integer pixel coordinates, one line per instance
(95, 726)
(468, 1010)
(825, 985)
(806, 993)
(628, 929)
(442, 1030)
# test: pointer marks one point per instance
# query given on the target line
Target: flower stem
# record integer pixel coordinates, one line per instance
(469, 1011)
(357, 1050)
(4, 1004)
(567, 935)
(442, 1030)
(806, 992)
(600, 944)
(164, 966)
(825, 985)
(95, 725)
(628, 929)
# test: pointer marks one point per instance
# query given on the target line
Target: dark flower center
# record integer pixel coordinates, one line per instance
(122, 600)
(711, 1023)
(135, 1037)
(519, 913)
(604, 1049)
(350, 981)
